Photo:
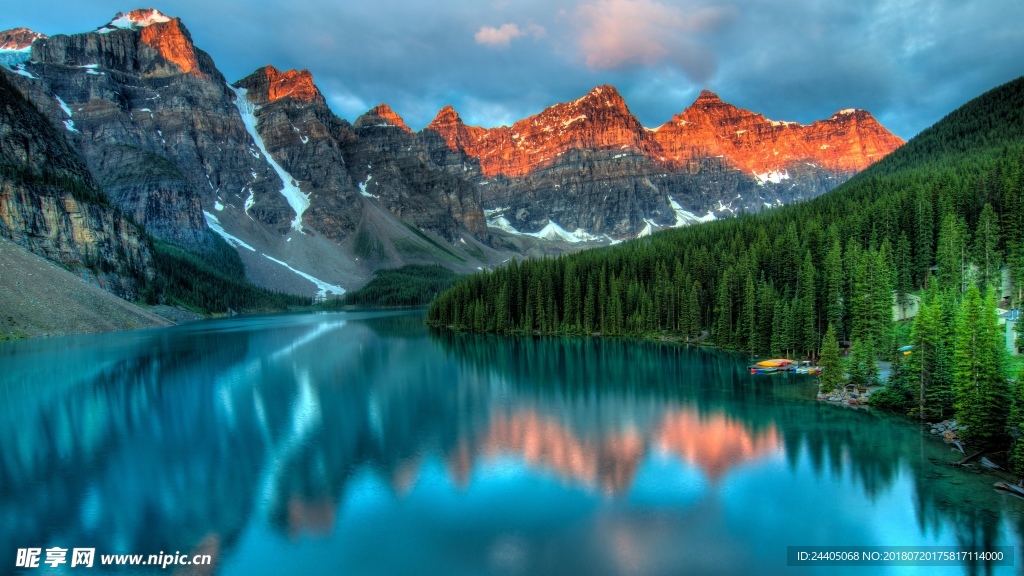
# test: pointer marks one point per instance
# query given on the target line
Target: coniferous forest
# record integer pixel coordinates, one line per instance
(939, 219)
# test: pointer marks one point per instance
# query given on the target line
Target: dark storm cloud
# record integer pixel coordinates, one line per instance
(909, 62)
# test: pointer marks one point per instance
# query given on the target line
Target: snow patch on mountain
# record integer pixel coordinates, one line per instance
(214, 224)
(323, 287)
(555, 232)
(11, 59)
(134, 20)
(775, 177)
(647, 229)
(363, 185)
(502, 223)
(298, 200)
(551, 231)
(69, 124)
(685, 217)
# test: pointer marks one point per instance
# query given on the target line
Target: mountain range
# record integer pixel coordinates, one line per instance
(169, 148)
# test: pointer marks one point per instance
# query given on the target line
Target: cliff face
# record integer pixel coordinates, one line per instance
(339, 167)
(50, 203)
(136, 98)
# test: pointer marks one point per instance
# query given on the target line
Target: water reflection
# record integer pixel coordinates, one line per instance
(367, 435)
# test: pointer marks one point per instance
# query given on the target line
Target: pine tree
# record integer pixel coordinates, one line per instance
(806, 328)
(831, 377)
(881, 302)
(861, 363)
(986, 254)
(749, 315)
(951, 253)
(925, 238)
(981, 391)
(834, 280)
(904, 274)
(693, 318)
(502, 310)
(723, 310)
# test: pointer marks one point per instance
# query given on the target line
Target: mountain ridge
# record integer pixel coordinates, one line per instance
(301, 193)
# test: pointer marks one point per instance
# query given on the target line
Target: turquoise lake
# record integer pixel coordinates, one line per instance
(363, 443)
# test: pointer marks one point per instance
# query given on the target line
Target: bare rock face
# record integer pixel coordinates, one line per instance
(268, 84)
(50, 203)
(340, 167)
(301, 133)
(139, 82)
(382, 116)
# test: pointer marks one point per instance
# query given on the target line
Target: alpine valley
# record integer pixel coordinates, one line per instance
(125, 154)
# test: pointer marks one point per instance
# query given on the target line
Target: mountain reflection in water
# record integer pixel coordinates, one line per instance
(374, 446)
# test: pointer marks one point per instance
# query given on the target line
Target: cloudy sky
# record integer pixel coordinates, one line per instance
(907, 61)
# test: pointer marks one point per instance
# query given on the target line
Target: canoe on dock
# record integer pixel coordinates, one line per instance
(775, 363)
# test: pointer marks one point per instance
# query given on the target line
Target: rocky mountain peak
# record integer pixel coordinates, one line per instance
(136, 19)
(708, 97)
(445, 116)
(709, 103)
(604, 96)
(18, 38)
(852, 115)
(166, 35)
(268, 84)
(382, 114)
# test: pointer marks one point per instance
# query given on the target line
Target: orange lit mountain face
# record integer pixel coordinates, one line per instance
(18, 38)
(848, 142)
(274, 85)
(173, 44)
(598, 120)
(164, 34)
(386, 115)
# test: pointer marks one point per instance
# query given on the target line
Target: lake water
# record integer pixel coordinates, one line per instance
(362, 443)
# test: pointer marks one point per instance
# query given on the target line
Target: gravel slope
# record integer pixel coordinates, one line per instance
(39, 298)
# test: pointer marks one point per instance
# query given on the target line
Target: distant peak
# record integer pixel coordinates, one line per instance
(18, 38)
(605, 95)
(268, 84)
(136, 19)
(848, 112)
(604, 89)
(385, 113)
(707, 97)
(447, 115)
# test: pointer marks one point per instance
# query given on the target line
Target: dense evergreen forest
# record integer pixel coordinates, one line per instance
(410, 285)
(937, 219)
